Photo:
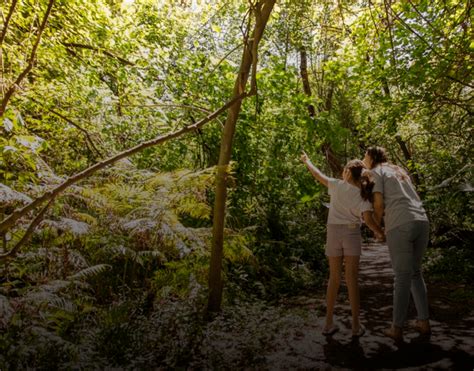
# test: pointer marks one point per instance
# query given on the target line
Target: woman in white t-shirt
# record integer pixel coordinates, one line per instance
(351, 199)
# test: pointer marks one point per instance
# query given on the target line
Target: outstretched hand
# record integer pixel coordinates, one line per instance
(304, 157)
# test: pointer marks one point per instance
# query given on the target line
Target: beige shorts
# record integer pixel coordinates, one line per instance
(343, 240)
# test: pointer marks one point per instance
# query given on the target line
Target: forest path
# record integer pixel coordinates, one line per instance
(451, 345)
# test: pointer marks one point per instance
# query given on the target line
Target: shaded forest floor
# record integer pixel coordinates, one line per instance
(297, 342)
(255, 334)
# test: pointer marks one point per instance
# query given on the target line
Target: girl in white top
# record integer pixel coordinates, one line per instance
(351, 198)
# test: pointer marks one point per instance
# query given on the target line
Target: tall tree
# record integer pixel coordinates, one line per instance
(261, 10)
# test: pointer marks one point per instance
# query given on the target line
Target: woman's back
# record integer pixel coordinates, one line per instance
(402, 203)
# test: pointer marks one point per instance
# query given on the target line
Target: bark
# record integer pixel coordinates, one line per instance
(249, 57)
(7, 21)
(31, 60)
(305, 78)
(9, 221)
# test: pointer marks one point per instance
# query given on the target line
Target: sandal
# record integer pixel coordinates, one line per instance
(360, 332)
(328, 331)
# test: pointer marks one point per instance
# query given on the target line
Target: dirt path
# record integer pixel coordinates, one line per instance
(451, 345)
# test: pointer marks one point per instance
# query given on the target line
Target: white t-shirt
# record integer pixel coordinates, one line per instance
(347, 205)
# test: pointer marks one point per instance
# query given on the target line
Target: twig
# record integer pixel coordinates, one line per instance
(7, 21)
(77, 126)
(100, 50)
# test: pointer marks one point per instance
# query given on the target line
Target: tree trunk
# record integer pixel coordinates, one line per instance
(402, 144)
(325, 148)
(262, 12)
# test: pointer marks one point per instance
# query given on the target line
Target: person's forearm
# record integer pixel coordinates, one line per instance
(372, 224)
(379, 208)
(317, 174)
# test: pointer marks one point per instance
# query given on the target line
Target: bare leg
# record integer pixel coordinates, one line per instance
(335, 269)
(352, 280)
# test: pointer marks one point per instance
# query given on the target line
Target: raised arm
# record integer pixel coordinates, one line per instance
(317, 174)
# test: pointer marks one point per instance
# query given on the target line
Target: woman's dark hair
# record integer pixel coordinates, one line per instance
(377, 154)
(360, 175)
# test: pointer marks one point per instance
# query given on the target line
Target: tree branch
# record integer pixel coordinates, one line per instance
(28, 233)
(31, 60)
(96, 49)
(9, 221)
(77, 126)
(7, 21)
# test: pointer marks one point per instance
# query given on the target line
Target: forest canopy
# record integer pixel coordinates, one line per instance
(112, 122)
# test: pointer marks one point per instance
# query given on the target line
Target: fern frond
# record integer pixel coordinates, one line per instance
(165, 180)
(76, 259)
(236, 250)
(63, 304)
(140, 225)
(38, 297)
(86, 218)
(6, 310)
(9, 196)
(72, 226)
(48, 336)
(120, 250)
(155, 254)
(55, 286)
(90, 272)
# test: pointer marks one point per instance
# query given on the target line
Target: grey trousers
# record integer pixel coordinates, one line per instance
(406, 245)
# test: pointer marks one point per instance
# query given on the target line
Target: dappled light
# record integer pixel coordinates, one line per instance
(182, 184)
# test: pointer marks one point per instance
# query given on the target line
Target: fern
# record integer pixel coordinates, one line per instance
(55, 286)
(62, 304)
(136, 256)
(90, 272)
(74, 227)
(6, 310)
(9, 196)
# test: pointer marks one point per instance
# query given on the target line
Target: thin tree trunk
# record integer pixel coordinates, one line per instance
(262, 12)
(326, 149)
(401, 143)
(305, 78)
(31, 61)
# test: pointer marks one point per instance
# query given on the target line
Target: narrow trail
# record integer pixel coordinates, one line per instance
(451, 345)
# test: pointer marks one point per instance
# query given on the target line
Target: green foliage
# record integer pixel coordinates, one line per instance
(115, 275)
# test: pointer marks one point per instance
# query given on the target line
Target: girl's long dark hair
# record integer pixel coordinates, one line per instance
(361, 176)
